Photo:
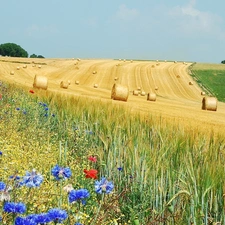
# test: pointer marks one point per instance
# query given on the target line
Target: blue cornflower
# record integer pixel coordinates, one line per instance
(57, 215)
(46, 108)
(2, 186)
(46, 115)
(24, 221)
(41, 218)
(17, 108)
(120, 168)
(78, 195)
(0, 153)
(103, 186)
(11, 207)
(32, 179)
(53, 115)
(78, 224)
(61, 172)
(24, 112)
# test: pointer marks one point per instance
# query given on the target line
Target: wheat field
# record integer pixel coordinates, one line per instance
(176, 99)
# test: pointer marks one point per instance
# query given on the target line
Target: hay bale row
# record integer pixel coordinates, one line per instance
(64, 84)
(40, 82)
(119, 92)
(209, 103)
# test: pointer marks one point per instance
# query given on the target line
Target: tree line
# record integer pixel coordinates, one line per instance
(14, 50)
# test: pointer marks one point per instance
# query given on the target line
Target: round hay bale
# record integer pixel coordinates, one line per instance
(124, 60)
(33, 65)
(12, 72)
(39, 66)
(175, 61)
(95, 85)
(178, 76)
(135, 92)
(151, 97)
(131, 61)
(115, 78)
(69, 82)
(190, 83)
(143, 93)
(64, 84)
(77, 82)
(209, 103)
(157, 64)
(40, 82)
(94, 72)
(78, 59)
(76, 68)
(138, 88)
(202, 93)
(156, 88)
(24, 66)
(119, 92)
(18, 68)
(153, 66)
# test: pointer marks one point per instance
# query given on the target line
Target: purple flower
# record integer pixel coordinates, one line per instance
(11, 207)
(103, 186)
(32, 179)
(78, 195)
(57, 215)
(61, 172)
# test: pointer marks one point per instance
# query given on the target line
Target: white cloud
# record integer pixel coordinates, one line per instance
(125, 14)
(192, 20)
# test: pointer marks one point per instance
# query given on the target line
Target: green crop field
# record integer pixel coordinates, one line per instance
(211, 77)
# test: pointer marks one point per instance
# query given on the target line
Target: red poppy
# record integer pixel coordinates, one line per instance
(0, 96)
(31, 91)
(92, 158)
(92, 173)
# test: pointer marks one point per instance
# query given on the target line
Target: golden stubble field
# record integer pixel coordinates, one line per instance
(176, 100)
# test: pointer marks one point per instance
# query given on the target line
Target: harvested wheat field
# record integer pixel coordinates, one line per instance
(176, 99)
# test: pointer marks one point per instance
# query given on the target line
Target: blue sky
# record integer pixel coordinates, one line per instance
(186, 30)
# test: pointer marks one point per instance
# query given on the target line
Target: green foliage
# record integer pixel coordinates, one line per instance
(223, 62)
(13, 50)
(36, 56)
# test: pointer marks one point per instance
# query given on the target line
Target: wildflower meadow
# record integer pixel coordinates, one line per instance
(68, 160)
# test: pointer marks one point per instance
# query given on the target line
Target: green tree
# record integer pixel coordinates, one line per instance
(13, 50)
(223, 62)
(36, 56)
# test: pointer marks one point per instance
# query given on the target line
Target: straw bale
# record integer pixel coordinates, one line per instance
(18, 68)
(135, 92)
(39, 66)
(202, 93)
(95, 85)
(24, 66)
(209, 103)
(138, 88)
(40, 82)
(156, 88)
(190, 83)
(64, 84)
(115, 78)
(94, 72)
(69, 82)
(151, 97)
(175, 61)
(76, 68)
(34, 65)
(157, 64)
(153, 66)
(119, 92)
(77, 82)
(143, 93)
(12, 72)
(131, 61)
(178, 76)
